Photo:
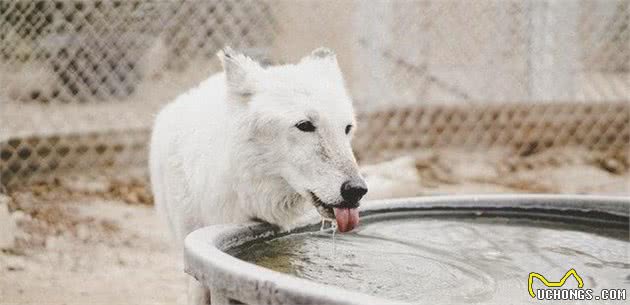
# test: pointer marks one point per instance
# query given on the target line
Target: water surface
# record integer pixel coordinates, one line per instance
(451, 260)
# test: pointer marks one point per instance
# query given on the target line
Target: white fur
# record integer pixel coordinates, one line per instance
(228, 151)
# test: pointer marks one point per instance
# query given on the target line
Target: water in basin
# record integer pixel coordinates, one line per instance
(450, 260)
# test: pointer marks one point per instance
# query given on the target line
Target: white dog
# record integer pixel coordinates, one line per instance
(258, 143)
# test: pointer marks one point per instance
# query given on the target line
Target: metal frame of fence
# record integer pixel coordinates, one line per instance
(81, 80)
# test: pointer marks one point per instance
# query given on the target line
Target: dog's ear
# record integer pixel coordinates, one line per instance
(325, 61)
(240, 72)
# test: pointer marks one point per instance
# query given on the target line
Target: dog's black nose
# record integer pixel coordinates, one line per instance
(353, 191)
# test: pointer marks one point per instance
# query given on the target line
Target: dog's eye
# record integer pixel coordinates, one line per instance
(348, 128)
(305, 126)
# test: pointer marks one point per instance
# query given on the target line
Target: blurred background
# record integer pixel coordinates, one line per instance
(487, 96)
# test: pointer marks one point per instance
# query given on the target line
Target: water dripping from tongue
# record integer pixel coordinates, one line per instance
(333, 227)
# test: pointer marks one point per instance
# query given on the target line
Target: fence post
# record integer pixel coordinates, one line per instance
(554, 50)
(373, 23)
(7, 225)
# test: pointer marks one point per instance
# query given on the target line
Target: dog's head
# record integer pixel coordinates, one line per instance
(300, 122)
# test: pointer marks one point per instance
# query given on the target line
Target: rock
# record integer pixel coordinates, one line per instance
(19, 216)
(7, 225)
(86, 184)
(13, 263)
(83, 232)
(611, 165)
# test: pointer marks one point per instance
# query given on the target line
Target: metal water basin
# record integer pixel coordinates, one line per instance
(427, 250)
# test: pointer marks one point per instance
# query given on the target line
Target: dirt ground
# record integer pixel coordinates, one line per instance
(95, 239)
(90, 251)
(89, 240)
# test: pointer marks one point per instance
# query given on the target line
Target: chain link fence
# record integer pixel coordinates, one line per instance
(80, 81)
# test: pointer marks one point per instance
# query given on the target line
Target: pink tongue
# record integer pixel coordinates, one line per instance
(347, 219)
